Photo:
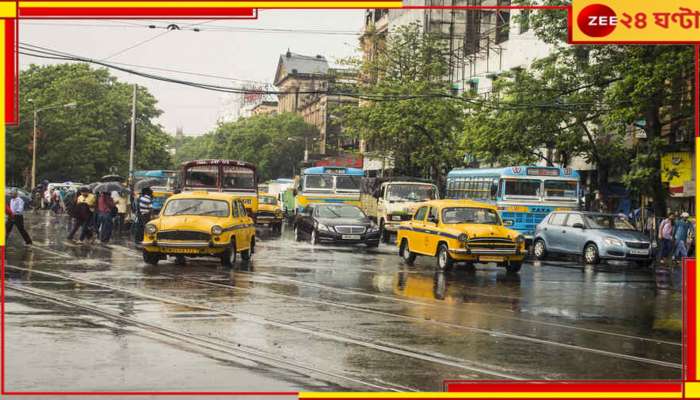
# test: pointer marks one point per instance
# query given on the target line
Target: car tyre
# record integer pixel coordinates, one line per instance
(384, 234)
(590, 254)
(408, 256)
(180, 260)
(539, 249)
(514, 267)
(297, 233)
(228, 258)
(314, 237)
(151, 258)
(444, 260)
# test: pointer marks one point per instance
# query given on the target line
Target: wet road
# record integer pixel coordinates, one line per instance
(299, 317)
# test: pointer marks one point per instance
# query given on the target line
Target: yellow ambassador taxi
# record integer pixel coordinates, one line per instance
(460, 231)
(269, 212)
(200, 224)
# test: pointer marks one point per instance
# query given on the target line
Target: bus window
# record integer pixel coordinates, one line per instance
(560, 189)
(238, 178)
(202, 176)
(523, 187)
(318, 182)
(347, 183)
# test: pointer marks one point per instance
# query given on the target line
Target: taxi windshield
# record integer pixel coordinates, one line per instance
(204, 207)
(470, 215)
(268, 200)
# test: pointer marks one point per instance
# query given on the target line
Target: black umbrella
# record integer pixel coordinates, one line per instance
(93, 185)
(112, 178)
(144, 183)
(108, 187)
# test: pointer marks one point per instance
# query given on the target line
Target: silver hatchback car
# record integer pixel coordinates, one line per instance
(595, 236)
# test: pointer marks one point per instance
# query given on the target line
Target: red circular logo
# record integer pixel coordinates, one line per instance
(597, 20)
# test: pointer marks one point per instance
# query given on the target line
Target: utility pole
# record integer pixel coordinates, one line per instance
(133, 133)
(36, 113)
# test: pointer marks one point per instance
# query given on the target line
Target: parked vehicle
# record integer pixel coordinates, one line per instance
(331, 185)
(335, 223)
(595, 236)
(269, 212)
(389, 201)
(524, 195)
(460, 230)
(237, 178)
(200, 224)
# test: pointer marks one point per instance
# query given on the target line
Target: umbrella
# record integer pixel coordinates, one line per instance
(112, 178)
(93, 185)
(108, 187)
(144, 183)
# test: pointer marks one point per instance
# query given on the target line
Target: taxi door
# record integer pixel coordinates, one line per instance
(431, 224)
(416, 241)
(246, 224)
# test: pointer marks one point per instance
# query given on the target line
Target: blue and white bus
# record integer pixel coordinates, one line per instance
(524, 195)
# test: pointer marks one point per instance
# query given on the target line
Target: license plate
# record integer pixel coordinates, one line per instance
(351, 237)
(639, 251)
(180, 251)
(491, 258)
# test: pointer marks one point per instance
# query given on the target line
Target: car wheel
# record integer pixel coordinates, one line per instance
(228, 258)
(314, 238)
(297, 234)
(590, 254)
(384, 234)
(444, 261)
(179, 260)
(514, 267)
(373, 244)
(151, 258)
(540, 250)
(408, 256)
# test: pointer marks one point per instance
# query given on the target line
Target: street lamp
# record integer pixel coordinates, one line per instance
(36, 119)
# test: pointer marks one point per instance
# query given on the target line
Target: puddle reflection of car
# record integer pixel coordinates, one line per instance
(460, 231)
(336, 223)
(200, 224)
(594, 236)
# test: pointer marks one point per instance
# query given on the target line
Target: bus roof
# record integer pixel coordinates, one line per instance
(520, 170)
(189, 164)
(334, 171)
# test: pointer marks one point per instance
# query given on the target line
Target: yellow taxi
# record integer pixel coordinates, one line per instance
(269, 212)
(460, 231)
(200, 224)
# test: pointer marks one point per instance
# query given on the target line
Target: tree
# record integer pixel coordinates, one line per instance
(88, 141)
(409, 112)
(274, 143)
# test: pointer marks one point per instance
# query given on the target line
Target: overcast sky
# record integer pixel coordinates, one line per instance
(217, 49)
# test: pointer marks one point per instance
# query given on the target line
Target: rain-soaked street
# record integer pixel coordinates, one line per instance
(302, 317)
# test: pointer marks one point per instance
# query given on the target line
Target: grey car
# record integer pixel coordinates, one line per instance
(595, 236)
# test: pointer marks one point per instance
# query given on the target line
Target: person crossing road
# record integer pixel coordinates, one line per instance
(16, 218)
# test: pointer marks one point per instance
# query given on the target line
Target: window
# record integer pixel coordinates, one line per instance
(347, 183)
(606, 221)
(502, 22)
(238, 178)
(339, 211)
(420, 214)
(557, 219)
(574, 219)
(202, 176)
(523, 187)
(234, 205)
(410, 192)
(267, 200)
(469, 215)
(241, 209)
(433, 214)
(318, 183)
(561, 189)
(524, 21)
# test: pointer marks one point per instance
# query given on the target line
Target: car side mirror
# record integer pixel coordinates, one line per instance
(579, 225)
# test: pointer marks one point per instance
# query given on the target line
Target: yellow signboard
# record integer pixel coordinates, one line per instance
(679, 166)
(634, 21)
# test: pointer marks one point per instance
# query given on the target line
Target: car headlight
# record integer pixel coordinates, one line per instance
(216, 230)
(611, 241)
(322, 227)
(463, 238)
(151, 229)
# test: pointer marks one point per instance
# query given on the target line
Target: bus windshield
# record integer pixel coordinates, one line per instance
(202, 176)
(238, 178)
(561, 189)
(523, 187)
(470, 215)
(318, 183)
(407, 192)
(347, 183)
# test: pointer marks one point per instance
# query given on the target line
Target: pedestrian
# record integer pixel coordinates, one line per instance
(680, 236)
(120, 202)
(143, 213)
(105, 207)
(83, 216)
(16, 217)
(666, 237)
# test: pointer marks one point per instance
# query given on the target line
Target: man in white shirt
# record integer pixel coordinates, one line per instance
(16, 218)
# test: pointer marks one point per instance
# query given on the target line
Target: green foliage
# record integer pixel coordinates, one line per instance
(421, 129)
(85, 142)
(274, 143)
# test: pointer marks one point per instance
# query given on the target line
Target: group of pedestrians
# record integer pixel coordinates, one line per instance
(97, 215)
(676, 235)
